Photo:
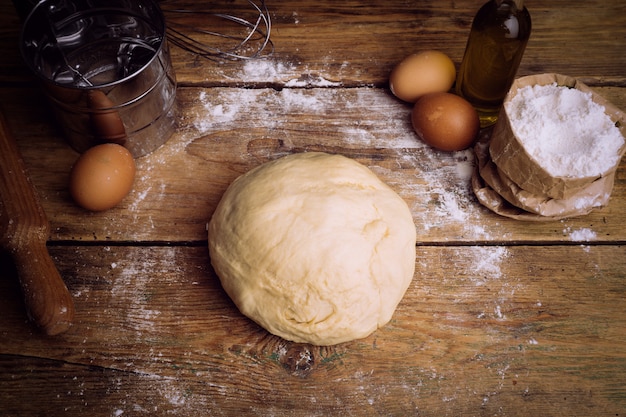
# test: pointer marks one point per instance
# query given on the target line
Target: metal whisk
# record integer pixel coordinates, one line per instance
(214, 35)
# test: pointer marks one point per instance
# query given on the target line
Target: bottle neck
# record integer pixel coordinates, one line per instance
(519, 4)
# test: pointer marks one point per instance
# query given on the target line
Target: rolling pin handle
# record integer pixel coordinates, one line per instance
(48, 301)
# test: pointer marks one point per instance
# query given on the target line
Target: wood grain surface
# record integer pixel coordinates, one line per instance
(503, 317)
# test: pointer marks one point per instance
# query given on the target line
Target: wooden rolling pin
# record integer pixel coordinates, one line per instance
(24, 230)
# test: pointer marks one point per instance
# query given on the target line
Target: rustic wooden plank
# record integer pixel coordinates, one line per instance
(482, 330)
(226, 131)
(570, 38)
(503, 317)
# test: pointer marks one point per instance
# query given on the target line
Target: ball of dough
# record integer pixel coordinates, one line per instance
(313, 247)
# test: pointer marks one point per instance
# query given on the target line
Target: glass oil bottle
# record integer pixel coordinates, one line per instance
(494, 50)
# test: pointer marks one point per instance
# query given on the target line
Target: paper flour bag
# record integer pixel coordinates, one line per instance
(496, 191)
(553, 152)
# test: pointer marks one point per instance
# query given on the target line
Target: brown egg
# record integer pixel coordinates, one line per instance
(105, 119)
(102, 177)
(422, 73)
(445, 121)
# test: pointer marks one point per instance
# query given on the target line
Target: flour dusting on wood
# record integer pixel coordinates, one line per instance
(437, 182)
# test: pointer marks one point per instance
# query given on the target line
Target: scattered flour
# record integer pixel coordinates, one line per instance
(486, 263)
(438, 182)
(580, 235)
(445, 182)
(311, 81)
(271, 71)
(133, 279)
(265, 69)
(567, 133)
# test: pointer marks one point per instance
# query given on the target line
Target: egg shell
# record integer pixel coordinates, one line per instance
(445, 121)
(422, 73)
(102, 177)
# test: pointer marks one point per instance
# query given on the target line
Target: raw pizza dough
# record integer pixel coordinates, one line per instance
(314, 248)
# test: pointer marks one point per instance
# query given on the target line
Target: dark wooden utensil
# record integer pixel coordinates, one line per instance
(24, 230)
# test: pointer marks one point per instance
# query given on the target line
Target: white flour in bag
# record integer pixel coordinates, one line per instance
(564, 131)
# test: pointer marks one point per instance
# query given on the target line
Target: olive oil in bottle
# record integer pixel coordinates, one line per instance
(494, 50)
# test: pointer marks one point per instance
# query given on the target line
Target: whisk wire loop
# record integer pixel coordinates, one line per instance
(249, 37)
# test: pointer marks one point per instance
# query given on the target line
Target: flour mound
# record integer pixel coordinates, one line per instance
(565, 132)
(313, 247)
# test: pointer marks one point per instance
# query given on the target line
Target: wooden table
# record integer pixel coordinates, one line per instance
(503, 317)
